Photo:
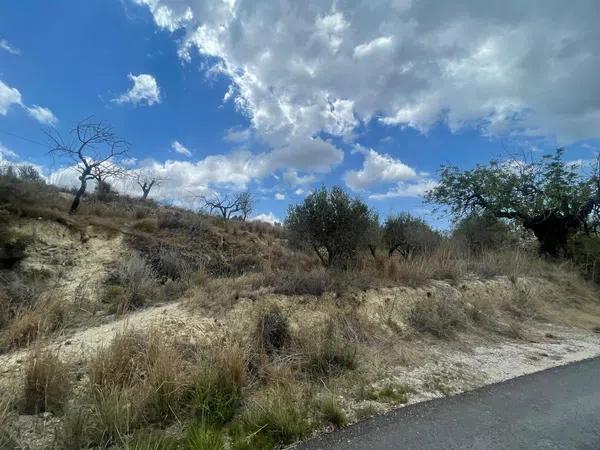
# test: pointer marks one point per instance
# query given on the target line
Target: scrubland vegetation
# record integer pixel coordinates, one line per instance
(305, 319)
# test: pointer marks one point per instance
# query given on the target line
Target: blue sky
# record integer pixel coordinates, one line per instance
(280, 97)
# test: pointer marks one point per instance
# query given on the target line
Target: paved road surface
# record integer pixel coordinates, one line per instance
(555, 409)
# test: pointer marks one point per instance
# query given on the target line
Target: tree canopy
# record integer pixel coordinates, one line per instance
(334, 225)
(549, 196)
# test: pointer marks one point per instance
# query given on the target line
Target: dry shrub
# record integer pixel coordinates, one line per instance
(523, 303)
(6, 439)
(329, 351)
(314, 282)
(47, 383)
(46, 316)
(438, 315)
(170, 263)
(145, 226)
(132, 284)
(147, 368)
(273, 331)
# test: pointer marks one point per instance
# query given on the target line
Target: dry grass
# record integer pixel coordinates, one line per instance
(45, 316)
(47, 383)
(438, 315)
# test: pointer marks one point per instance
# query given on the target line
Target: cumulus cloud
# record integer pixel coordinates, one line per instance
(377, 168)
(181, 149)
(381, 169)
(279, 196)
(417, 189)
(10, 96)
(42, 115)
(4, 45)
(269, 218)
(326, 66)
(145, 91)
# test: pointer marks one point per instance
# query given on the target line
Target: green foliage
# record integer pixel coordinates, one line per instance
(549, 196)
(332, 224)
(483, 232)
(407, 234)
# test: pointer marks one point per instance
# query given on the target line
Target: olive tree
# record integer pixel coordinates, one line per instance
(333, 225)
(548, 196)
(406, 234)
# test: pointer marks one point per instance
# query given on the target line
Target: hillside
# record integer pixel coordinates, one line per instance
(137, 325)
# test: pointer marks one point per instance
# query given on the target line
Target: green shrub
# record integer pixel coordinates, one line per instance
(280, 413)
(331, 412)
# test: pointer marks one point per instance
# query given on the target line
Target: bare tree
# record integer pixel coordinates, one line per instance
(246, 204)
(229, 205)
(146, 180)
(95, 149)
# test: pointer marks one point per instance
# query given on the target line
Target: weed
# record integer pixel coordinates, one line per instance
(315, 282)
(217, 390)
(440, 316)
(331, 412)
(330, 354)
(47, 383)
(201, 437)
(280, 413)
(151, 440)
(273, 331)
(145, 226)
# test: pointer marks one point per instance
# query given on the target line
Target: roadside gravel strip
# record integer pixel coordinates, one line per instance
(558, 408)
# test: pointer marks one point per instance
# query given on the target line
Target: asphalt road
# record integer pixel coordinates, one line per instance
(558, 408)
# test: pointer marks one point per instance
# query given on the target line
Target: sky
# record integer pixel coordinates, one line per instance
(279, 97)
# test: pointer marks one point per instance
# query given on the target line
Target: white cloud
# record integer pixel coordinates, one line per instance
(279, 196)
(299, 191)
(417, 189)
(4, 45)
(42, 115)
(377, 168)
(269, 218)
(8, 96)
(237, 135)
(181, 149)
(330, 66)
(145, 91)
(292, 178)
(6, 154)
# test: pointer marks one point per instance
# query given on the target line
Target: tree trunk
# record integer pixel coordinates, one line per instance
(552, 233)
(146, 192)
(78, 195)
